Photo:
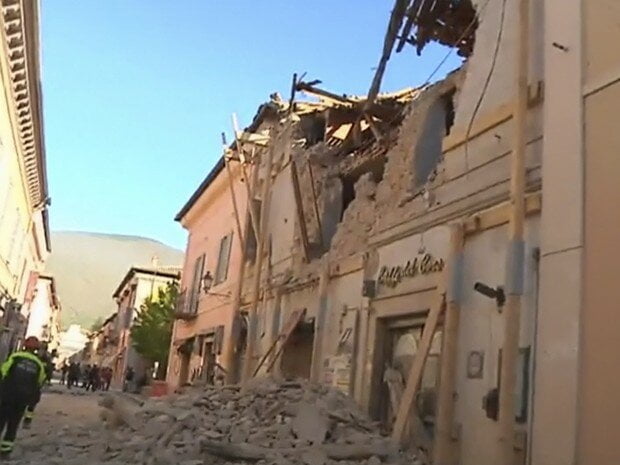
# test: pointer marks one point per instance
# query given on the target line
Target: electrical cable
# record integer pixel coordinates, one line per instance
(463, 35)
(485, 87)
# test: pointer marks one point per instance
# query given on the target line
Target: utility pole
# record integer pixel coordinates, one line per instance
(516, 254)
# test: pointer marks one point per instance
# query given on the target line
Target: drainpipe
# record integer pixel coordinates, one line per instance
(515, 255)
(443, 449)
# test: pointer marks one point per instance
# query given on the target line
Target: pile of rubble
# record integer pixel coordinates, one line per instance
(289, 423)
(269, 423)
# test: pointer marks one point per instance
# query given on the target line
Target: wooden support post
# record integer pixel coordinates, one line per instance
(373, 127)
(514, 271)
(396, 19)
(237, 141)
(319, 323)
(301, 217)
(230, 358)
(277, 316)
(287, 332)
(242, 158)
(231, 186)
(258, 265)
(316, 205)
(417, 368)
(443, 450)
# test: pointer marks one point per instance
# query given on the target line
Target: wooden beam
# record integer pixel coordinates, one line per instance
(238, 143)
(515, 246)
(244, 161)
(230, 358)
(373, 127)
(301, 217)
(499, 215)
(340, 99)
(417, 368)
(316, 204)
(286, 334)
(443, 450)
(233, 196)
(491, 119)
(319, 324)
(396, 19)
(258, 266)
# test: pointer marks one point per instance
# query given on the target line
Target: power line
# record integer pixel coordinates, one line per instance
(485, 87)
(462, 37)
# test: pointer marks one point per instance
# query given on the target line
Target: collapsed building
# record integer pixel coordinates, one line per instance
(376, 232)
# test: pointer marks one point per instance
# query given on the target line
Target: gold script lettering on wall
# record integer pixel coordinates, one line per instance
(425, 264)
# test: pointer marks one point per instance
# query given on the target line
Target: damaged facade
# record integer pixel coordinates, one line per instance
(365, 219)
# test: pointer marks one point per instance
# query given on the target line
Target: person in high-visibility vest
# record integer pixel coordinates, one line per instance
(23, 375)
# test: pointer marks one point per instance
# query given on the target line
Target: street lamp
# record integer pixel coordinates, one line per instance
(207, 283)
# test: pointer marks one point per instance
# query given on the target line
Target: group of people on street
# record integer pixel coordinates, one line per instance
(92, 377)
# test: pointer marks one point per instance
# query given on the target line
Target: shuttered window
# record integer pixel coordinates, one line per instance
(195, 290)
(221, 272)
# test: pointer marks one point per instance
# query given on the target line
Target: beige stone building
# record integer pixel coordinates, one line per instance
(102, 345)
(139, 284)
(24, 228)
(369, 218)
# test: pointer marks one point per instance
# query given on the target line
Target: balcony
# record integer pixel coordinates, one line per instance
(182, 309)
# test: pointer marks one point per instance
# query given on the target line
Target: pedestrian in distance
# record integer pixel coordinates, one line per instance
(64, 371)
(93, 378)
(129, 376)
(73, 375)
(23, 375)
(106, 378)
(86, 376)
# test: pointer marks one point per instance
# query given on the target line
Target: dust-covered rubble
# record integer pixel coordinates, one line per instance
(269, 423)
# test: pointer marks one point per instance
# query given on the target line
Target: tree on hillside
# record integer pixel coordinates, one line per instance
(152, 327)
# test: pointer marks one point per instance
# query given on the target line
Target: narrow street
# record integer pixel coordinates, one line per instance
(65, 421)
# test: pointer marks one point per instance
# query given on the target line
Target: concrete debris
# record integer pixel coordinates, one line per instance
(270, 423)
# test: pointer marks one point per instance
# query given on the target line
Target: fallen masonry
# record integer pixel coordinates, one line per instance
(269, 423)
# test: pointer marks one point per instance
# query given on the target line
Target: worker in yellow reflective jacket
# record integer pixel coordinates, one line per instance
(23, 375)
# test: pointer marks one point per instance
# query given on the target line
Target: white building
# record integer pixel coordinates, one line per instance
(71, 342)
(44, 319)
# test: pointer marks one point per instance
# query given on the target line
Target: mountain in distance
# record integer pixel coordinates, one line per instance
(88, 267)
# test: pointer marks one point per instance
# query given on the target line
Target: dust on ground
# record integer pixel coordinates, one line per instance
(51, 438)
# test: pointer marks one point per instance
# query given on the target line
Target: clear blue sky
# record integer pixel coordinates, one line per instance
(136, 92)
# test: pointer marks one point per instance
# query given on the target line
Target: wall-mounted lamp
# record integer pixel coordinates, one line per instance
(207, 283)
(492, 293)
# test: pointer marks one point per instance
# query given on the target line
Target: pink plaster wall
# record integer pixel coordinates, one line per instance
(210, 219)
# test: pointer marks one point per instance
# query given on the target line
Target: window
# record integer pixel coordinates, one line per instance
(437, 124)
(221, 272)
(195, 289)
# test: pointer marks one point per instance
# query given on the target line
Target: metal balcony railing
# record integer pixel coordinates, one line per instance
(183, 310)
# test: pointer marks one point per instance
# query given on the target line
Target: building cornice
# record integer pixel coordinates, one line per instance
(20, 37)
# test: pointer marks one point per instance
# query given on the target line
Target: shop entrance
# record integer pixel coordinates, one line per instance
(208, 360)
(185, 354)
(401, 340)
(297, 354)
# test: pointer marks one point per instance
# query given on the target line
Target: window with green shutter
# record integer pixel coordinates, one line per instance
(221, 272)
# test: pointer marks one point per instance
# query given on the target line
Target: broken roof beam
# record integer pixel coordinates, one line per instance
(310, 89)
(396, 20)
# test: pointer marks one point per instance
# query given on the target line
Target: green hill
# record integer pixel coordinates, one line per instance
(89, 266)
